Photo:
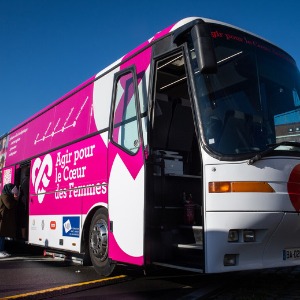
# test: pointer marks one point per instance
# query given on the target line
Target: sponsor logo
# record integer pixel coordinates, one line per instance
(41, 171)
(53, 225)
(71, 226)
(33, 227)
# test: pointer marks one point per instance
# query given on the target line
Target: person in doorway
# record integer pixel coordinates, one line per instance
(23, 204)
(8, 222)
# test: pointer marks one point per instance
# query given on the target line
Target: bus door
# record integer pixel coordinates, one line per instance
(126, 173)
(22, 182)
(19, 176)
(174, 222)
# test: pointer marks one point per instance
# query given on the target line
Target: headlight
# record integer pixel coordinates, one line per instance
(249, 235)
(233, 235)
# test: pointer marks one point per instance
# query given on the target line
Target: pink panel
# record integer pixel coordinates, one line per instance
(65, 179)
(65, 122)
(116, 252)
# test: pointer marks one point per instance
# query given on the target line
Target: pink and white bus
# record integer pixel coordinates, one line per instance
(183, 153)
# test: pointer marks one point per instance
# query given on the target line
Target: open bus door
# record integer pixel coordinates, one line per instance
(22, 181)
(175, 221)
(126, 173)
(19, 176)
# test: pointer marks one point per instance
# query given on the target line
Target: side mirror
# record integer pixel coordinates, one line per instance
(202, 40)
(204, 49)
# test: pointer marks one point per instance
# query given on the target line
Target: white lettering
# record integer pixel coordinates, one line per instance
(71, 174)
(62, 160)
(87, 190)
(83, 153)
(60, 194)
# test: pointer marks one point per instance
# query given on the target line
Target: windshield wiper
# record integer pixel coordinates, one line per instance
(272, 147)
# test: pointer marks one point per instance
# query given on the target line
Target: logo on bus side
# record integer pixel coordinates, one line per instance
(41, 171)
(293, 187)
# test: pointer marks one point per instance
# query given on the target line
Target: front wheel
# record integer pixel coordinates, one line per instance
(98, 243)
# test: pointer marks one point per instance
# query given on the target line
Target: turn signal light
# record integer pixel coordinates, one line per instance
(239, 187)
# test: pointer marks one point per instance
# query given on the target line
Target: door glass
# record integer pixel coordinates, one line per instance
(125, 127)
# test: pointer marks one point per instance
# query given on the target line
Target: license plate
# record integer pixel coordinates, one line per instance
(291, 254)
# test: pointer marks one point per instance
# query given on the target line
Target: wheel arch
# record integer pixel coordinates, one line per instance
(85, 234)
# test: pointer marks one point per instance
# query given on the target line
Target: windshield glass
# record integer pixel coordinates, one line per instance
(253, 99)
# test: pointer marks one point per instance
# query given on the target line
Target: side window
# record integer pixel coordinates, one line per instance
(125, 126)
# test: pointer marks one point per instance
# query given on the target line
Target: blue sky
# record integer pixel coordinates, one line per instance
(48, 47)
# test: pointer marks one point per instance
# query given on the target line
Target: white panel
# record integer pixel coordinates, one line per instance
(250, 254)
(126, 208)
(102, 100)
(46, 231)
(276, 172)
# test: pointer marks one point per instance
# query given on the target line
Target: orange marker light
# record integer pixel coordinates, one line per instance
(239, 187)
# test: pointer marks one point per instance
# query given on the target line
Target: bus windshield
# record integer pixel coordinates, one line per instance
(254, 98)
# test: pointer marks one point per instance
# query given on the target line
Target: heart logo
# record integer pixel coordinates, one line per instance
(293, 187)
(41, 171)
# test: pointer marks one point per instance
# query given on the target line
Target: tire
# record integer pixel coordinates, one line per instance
(98, 243)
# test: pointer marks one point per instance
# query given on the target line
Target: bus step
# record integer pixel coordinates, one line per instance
(178, 266)
(194, 246)
(189, 253)
(64, 257)
(195, 232)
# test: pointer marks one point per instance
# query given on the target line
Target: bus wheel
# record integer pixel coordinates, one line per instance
(98, 243)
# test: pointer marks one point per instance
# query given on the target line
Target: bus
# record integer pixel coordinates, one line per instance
(184, 153)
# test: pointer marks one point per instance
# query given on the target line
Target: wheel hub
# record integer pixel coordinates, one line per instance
(99, 240)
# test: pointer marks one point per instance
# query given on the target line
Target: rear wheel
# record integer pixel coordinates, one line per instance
(98, 243)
